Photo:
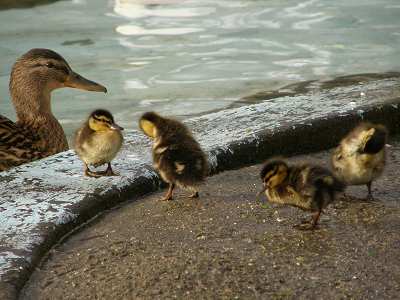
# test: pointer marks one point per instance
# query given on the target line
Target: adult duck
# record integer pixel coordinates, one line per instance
(37, 133)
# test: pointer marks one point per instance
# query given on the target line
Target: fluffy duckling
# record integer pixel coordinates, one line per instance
(360, 157)
(37, 133)
(304, 186)
(98, 141)
(177, 156)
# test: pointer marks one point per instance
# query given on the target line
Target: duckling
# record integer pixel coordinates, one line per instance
(37, 133)
(305, 186)
(360, 157)
(177, 156)
(98, 141)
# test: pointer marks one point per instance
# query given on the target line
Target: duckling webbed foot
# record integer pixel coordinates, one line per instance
(369, 196)
(90, 173)
(311, 224)
(304, 226)
(109, 171)
(168, 195)
(194, 195)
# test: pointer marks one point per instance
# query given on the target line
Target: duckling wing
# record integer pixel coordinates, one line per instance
(186, 163)
(316, 187)
(322, 178)
(17, 146)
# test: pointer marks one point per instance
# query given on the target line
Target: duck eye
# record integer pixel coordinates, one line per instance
(49, 65)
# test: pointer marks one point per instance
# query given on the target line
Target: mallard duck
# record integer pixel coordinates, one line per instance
(98, 141)
(305, 186)
(177, 156)
(37, 133)
(360, 157)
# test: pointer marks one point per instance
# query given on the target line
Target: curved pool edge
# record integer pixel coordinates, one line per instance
(45, 200)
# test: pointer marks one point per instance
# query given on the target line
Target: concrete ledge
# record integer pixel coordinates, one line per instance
(44, 200)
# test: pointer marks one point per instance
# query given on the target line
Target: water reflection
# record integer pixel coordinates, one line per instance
(135, 9)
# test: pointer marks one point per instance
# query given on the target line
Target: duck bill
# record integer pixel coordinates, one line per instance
(259, 194)
(74, 80)
(116, 127)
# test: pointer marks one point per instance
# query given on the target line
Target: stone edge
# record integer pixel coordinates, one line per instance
(303, 138)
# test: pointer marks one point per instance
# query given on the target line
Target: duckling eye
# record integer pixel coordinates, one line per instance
(102, 119)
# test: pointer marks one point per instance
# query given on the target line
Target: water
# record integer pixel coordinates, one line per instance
(188, 57)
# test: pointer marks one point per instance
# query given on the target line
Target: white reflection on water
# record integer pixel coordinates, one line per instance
(187, 57)
(139, 9)
(137, 30)
(135, 84)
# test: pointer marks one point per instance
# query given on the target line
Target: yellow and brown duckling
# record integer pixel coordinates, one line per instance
(305, 186)
(98, 141)
(360, 157)
(37, 133)
(177, 156)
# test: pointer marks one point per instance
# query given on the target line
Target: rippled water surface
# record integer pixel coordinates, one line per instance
(188, 57)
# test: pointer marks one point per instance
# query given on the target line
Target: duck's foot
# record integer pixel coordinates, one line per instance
(305, 221)
(369, 196)
(109, 171)
(310, 224)
(194, 195)
(305, 226)
(90, 173)
(168, 195)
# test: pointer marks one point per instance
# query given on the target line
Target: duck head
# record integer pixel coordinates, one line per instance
(36, 74)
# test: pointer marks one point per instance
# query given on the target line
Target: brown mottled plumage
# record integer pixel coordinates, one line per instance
(98, 141)
(37, 133)
(360, 157)
(305, 186)
(177, 156)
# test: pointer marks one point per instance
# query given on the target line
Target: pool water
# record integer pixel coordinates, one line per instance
(183, 58)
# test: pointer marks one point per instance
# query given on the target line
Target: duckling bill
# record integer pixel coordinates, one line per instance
(305, 186)
(177, 156)
(98, 141)
(360, 157)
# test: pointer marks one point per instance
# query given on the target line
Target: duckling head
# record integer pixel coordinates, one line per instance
(274, 173)
(374, 139)
(36, 74)
(150, 122)
(102, 120)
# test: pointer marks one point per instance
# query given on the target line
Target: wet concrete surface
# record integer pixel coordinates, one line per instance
(227, 245)
(44, 200)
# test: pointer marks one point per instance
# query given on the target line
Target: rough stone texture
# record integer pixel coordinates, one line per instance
(42, 201)
(226, 245)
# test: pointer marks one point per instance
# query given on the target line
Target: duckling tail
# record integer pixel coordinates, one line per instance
(330, 182)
